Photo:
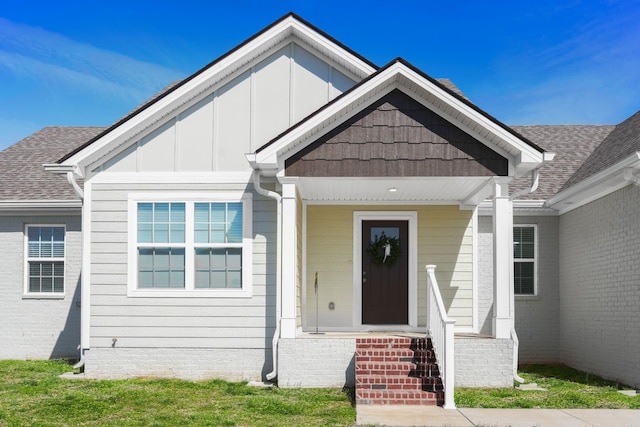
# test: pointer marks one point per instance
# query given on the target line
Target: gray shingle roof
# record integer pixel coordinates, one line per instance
(621, 143)
(22, 176)
(572, 145)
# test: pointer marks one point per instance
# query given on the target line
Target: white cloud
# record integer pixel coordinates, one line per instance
(33, 53)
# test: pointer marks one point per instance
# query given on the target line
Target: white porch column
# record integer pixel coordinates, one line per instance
(502, 259)
(288, 323)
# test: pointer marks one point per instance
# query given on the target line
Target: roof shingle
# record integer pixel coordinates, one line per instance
(22, 176)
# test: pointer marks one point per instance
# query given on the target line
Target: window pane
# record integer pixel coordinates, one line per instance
(161, 233)
(47, 284)
(234, 279)
(34, 284)
(161, 212)
(202, 279)
(58, 284)
(234, 230)
(178, 212)
(523, 242)
(145, 212)
(524, 278)
(161, 268)
(201, 212)
(234, 258)
(177, 233)
(145, 233)
(218, 258)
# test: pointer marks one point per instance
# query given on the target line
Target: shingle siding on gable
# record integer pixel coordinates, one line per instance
(396, 136)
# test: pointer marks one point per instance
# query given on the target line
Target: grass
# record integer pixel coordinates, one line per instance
(31, 394)
(566, 388)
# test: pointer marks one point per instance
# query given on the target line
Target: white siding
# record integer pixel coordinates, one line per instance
(238, 117)
(180, 322)
(38, 328)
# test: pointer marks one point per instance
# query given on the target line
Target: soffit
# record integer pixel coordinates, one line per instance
(452, 190)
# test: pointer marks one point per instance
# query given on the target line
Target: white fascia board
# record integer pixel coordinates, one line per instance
(216, 72)
(341, 56)
(38, 205)
(596, 186)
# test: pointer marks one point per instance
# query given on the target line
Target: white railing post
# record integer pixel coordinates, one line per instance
(441, 331)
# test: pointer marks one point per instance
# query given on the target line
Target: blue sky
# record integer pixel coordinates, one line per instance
(76, 63)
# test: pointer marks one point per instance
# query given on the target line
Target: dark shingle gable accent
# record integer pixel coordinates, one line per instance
(621, 143)
(443, 84)
(396, 136)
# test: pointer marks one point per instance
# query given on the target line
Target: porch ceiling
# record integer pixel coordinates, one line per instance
(445, 190)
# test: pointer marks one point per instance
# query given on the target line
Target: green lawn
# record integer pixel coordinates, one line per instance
(31, 394)
(566, 388)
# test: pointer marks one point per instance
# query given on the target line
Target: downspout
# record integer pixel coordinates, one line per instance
(535, 178)
(276, 335)
(71, 179)
(629, 176)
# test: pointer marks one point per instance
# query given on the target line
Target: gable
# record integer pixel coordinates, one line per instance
(237, 117)
(396, 136)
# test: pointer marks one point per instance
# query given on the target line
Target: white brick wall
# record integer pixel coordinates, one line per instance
(600, 293)
(184, 363)
(536, 317)
(38, 328)
(483, 362)
(316, 362)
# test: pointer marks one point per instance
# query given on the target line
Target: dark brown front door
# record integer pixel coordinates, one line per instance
(385, 272)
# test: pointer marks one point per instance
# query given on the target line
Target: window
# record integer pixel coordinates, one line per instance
(218, 241)
(200, 246)
(161, 245)
(524, 260)
(45, 259)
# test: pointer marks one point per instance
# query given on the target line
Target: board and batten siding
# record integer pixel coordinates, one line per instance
(238, 117)
(445, 238)
(180, 322)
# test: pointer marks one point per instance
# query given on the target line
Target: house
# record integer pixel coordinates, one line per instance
(292, 203)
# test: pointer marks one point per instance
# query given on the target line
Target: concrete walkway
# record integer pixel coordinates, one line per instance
(390, 415)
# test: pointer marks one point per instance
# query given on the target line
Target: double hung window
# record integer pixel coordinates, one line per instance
(45, 261)
(524, 260)
(196, 245)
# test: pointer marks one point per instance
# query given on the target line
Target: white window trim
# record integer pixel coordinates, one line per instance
(189, 291)
(534, 260)
(43, 295)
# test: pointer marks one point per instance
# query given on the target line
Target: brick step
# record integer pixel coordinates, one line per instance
(424, 356)
(425, 370)
(387, 382)
(385, 368)
(384, 355)
(384, 343)
(398, 397)
(398, 382)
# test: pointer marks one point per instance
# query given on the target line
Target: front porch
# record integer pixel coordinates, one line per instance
(329, 359)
